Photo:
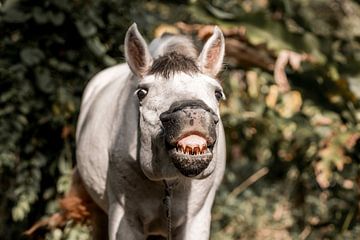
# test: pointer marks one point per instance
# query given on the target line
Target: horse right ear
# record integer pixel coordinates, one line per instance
(137, 53)
(212, 55)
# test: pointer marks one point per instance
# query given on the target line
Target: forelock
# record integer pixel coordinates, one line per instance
(172, 63)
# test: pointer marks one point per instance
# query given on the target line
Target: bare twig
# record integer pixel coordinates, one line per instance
(305, 233)
(238, 49)
(248, 182)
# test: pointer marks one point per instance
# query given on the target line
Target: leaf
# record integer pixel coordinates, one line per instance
(85, 28)
(354, 85)
(61, 66)
(253, 84)
(96, 46)
(291, 103)
(13, 15)
(63, 4)
(31, 56)
(39, 15)
(44, 80)
(56, 18)
(218, 12)
(165, 28)
(332, 154)
(272, 96)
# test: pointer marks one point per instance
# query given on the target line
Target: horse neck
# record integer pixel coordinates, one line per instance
(125, 123)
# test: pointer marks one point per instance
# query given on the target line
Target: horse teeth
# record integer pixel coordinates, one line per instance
(196, 150)
(192, 149)
(203, 149)
(188, 150)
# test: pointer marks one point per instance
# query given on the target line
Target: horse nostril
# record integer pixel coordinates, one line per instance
(164, 117)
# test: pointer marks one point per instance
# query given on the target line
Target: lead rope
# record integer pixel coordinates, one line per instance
(167, 203)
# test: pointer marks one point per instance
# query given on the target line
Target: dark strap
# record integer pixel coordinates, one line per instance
(167, 203)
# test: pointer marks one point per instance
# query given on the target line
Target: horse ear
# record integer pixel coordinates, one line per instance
(212, 55)
(137, 52)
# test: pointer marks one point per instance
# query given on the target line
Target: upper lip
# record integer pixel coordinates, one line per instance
(174, 142)
(194, 150)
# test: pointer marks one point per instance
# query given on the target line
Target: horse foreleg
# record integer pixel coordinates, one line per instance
(121, 228)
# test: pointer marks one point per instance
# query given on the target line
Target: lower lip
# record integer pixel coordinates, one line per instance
(190, 165)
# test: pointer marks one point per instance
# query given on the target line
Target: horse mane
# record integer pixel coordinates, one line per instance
(173, 54)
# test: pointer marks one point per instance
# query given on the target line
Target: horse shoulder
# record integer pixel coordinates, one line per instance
(93, 136)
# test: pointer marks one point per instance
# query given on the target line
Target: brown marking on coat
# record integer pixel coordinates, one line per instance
(78, 206)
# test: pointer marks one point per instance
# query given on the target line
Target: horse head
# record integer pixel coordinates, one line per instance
(178, 96)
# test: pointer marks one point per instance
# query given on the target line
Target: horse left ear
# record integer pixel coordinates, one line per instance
(212, 56)
(137, 53)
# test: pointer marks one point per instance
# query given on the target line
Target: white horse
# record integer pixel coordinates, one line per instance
(150, 122)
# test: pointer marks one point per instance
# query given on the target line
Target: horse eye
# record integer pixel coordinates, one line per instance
(218, 95)
(141, 93)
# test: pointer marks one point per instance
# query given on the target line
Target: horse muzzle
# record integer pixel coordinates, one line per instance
(190, 135)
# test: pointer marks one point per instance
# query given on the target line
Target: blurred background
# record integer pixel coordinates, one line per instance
(292, 80)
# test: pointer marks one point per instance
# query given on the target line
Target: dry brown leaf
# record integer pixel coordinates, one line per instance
(239, 51)
(291, 104)
(165, 28)
(320, 120)
(323, 174)
(272, 96)
(252, 83)
(287, 57)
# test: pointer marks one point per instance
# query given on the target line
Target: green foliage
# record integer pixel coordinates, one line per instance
(49, 49)
(306, 139)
